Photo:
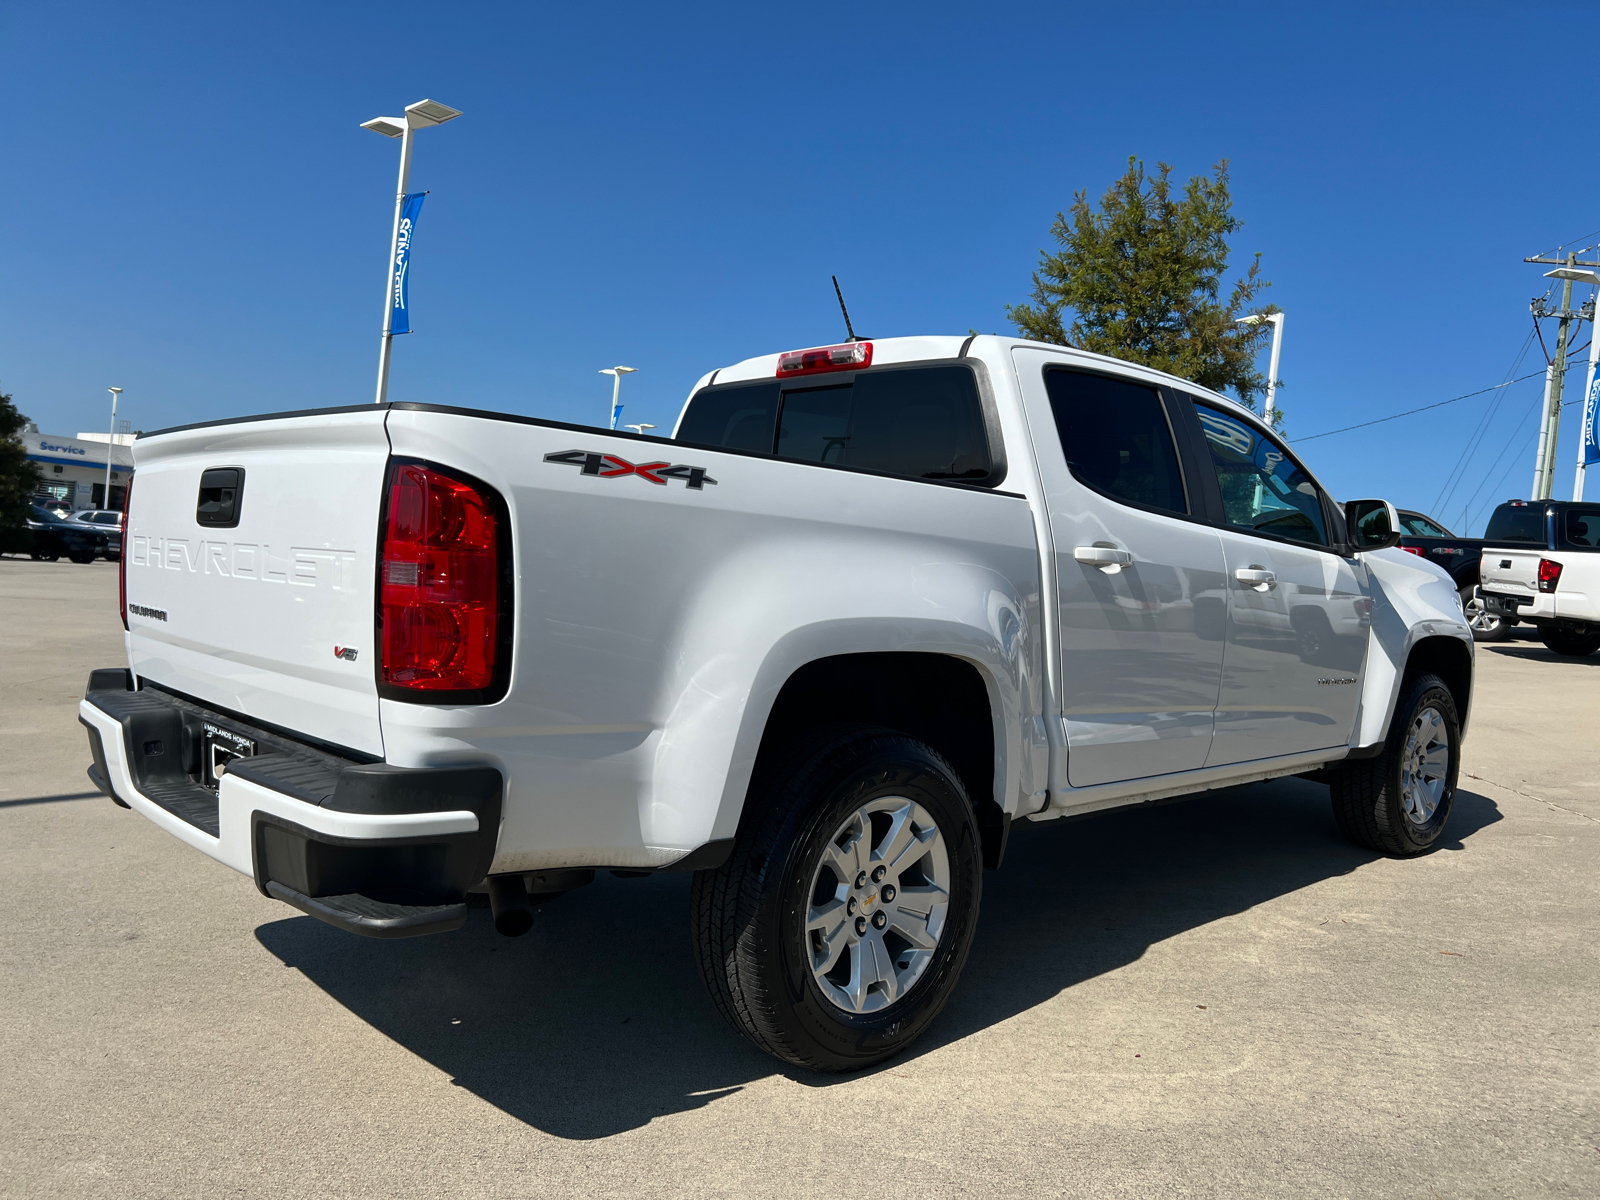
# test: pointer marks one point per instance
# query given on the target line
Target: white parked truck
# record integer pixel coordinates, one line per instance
(1541, 564)
(870, 608)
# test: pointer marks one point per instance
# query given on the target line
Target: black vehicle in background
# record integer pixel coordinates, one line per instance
(54, 536)
(1426, 538)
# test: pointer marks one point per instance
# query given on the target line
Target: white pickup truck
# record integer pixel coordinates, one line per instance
(1541, 564)
(871, 608)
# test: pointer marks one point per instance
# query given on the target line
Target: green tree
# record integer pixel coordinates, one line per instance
(1142, 277)
(18, 478)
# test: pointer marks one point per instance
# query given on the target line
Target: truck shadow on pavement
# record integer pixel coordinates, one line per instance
(596, 1022)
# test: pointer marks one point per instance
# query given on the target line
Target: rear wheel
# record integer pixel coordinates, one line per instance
(1569, 642)
(81, 556)
(837, 929)
(1486, 626)
(1398, 802)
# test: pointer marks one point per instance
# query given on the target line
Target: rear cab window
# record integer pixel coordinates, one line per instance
(1582, 528)
(1517, 523)
(916, 421)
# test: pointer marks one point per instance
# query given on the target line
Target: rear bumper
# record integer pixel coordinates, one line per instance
(378, 850)
(1518, 607)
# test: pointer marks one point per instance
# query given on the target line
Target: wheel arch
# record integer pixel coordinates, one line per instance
(948, 701)
(1451, 661)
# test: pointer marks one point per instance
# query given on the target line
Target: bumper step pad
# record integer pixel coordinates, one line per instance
(374, 918)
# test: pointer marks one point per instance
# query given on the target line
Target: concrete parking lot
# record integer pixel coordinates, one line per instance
(1214, 998)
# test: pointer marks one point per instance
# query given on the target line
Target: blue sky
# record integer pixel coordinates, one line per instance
(193, 214)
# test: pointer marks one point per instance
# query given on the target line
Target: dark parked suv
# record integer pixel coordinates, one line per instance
(1426, 538)
(54, 536)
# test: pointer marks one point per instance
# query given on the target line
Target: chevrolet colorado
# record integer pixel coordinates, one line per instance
(871, 607)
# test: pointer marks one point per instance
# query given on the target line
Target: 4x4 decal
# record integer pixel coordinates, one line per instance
(609, 466)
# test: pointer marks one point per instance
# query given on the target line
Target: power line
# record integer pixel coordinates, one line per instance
(1413, 411)
(1458, 473)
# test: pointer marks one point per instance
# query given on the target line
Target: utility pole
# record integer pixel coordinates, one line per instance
(1555, 374)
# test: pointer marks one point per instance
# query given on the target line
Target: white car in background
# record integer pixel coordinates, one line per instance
(107, 521)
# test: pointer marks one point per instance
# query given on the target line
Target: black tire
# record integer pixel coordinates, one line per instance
(748, 917)
(1486, 626)
(1367, 794)
(1569, 642)
(82, 556)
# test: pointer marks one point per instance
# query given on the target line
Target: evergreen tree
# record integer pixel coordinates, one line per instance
(1142, 277)
(18, 478)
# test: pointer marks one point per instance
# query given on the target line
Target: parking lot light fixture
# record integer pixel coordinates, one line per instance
(639, 428)
(421, 115)
(616, 374)
(1272, 370)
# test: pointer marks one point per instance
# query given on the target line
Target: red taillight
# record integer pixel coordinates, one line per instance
(1549, 575)
(852, 356)
(439, 582)
(122, 558)
(1413, 550)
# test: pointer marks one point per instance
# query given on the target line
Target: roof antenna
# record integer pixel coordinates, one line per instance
(845, 311)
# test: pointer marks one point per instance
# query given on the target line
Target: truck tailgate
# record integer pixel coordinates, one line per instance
(1510, 572)
(267, 607)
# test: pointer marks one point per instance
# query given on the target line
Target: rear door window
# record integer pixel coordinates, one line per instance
(919, 422)
(1117, 439)
(1583, 527)
(1263, 489)
(1516, 523)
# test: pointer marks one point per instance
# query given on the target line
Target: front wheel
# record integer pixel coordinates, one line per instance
(81, 556)
(837, 929)
(1569, 642)
(1486, 626)
(1398, 802)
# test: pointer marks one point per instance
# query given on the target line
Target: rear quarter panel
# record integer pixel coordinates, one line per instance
(656, 625)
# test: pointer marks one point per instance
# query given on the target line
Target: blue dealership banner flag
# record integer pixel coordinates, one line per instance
(1591, 436)
(399, 288)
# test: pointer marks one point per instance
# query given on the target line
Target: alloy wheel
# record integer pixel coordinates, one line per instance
(1424, 766)
(877, 904)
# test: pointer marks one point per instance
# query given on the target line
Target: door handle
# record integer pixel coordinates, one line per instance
(1102, 556)
(1257, 577)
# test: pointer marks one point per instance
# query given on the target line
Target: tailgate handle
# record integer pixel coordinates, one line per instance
(221, 491)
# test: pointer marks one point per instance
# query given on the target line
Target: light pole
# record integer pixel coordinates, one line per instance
(616, 374)
(639, 428)
(1581, 275)
(1277, 348)
(418, 116)
(110, 445)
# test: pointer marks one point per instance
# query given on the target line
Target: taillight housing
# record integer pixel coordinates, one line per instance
(1414, 550)
(852, 356)
(444, 587)
(1549, 575)
(122, 558)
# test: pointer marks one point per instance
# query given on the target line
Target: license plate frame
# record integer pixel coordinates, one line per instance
(219, 747)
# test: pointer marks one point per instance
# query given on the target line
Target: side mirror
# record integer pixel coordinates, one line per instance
(1373, 524)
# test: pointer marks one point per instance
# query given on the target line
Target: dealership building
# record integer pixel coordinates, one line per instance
(73, 469)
